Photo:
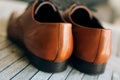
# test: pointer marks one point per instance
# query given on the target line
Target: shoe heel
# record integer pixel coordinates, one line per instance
(87, 67)
(47, 66)
(41, 64)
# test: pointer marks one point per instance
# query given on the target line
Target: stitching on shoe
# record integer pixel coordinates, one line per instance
(57, 53)
(98, 46)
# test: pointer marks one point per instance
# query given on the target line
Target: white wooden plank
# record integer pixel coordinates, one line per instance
(62, 75)
(13, 69)
(1, 35)
(107, 75)
(26, 74)
(4, 44)
(2, 39)
(75, 75)
(90, 77)
(118, 47)
(7, 51)
(114, 63)
(9, 60)
(115, 40)
(116, 76)
(41, 76)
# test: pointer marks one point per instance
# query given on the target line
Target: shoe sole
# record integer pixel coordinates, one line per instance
(41, 64)
(87, 67)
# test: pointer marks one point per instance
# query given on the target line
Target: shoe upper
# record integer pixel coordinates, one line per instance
(42, 31)
(92, 42)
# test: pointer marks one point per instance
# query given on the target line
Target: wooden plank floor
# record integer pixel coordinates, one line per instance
(15, 66)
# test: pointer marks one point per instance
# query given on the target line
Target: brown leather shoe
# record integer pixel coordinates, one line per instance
(42, 32)
(92, 42)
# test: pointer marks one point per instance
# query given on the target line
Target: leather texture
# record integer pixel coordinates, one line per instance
(92, 42)
(51, 41)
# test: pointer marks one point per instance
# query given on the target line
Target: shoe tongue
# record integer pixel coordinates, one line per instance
(46, 11)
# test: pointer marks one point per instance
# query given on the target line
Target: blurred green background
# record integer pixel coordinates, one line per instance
(63, 4)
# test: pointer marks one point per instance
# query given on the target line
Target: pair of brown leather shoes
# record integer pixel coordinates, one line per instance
(50, 38)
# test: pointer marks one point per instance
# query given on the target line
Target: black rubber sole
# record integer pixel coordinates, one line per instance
(41, 64)
(87, 67)
(46, 66)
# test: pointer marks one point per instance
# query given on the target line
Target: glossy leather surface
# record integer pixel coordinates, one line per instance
(51, 41)
(92, 42)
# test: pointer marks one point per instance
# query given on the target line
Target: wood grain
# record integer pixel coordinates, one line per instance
(23, 75)
(14, 66)
(9, 72)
